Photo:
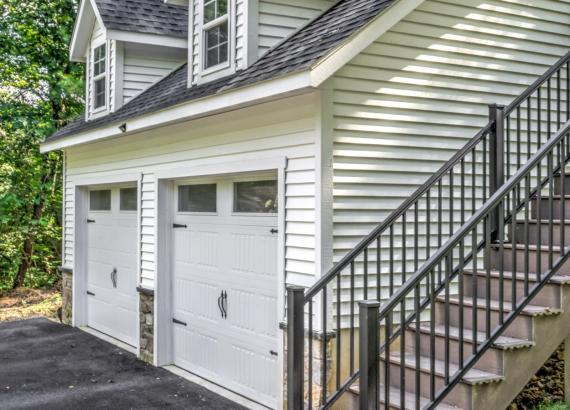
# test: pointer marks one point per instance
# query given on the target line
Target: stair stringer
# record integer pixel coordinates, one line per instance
(520, 365)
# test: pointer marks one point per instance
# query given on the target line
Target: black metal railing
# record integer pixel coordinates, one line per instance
(324, 364)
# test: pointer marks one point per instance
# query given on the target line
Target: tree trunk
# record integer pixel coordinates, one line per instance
(28, 249)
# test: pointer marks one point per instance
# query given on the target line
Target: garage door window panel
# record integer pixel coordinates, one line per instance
(197, 198)
(128, 200)
(100, 200)
(255, 197)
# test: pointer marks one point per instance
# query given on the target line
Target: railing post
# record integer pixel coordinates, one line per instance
(369, 351)
(497, 165)
(295, 346)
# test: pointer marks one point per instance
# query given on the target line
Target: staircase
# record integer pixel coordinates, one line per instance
(476, 267)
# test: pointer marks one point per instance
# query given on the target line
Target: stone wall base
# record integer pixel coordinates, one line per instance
(146, 323)
(67, 296)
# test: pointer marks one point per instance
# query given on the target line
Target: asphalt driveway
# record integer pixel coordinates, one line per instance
(45, 365)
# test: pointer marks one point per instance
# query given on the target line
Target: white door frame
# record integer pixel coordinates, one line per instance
(81, 202)
(164, 218)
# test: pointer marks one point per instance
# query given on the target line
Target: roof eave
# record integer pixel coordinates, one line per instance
(86, 16)
(258, 93)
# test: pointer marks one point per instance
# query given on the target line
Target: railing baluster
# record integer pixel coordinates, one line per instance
(369, 355)
(527, 235)
(365, 273)
(324, 348)
(391, 260)
(431, 275)
(378, 266)
(448, 269)
(352, 301)
(488, 276)
(474, 287)
(513, 254)
(338, 333)
(417, 344)
(563, 197)
(404, 250)
(387, 380)
(310, 357)
(403, 354)
(550, 166)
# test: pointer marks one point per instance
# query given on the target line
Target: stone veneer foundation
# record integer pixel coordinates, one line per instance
(67, 295)
(146, 323)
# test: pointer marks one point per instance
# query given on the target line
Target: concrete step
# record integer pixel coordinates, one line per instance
(536, 254)
(550, 295)
(460, 396)
(528, 233)
(491, 361)
(544, 205)
(520, 328)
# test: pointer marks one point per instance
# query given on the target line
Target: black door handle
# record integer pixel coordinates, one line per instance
(179, 322)
(114, 277)
(225, 304)
(220, 303)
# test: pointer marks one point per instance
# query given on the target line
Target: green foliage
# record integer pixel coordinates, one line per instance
(554, 406)
(40, 90)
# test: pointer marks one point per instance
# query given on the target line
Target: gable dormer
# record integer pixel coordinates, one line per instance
(127, 46)
(226, 36)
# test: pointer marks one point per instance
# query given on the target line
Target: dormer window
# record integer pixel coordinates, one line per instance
(100, 77)
(216, 30)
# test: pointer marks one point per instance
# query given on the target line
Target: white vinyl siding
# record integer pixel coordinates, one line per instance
(284, 129)
(420, 92)
(280, 18)
(140, 72)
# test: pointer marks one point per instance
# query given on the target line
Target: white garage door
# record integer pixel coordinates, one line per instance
(225, 284)
(111, 262)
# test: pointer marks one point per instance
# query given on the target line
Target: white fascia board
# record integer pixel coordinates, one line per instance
(146, 38)
(231, 100)
(83, 29)
(359, 41)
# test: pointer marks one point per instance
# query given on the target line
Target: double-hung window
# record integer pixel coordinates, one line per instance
(216, 33)
(100, 77)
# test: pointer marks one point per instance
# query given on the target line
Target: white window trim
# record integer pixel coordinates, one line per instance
(224, 69)
(104, 108)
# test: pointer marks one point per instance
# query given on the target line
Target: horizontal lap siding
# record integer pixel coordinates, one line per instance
(284, 130)
(416, 95)
(279, 18)
(140, 72)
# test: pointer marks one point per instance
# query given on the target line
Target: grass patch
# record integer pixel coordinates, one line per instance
(554, 406)
(28, 303)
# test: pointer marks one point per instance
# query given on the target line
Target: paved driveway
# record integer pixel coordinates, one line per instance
(44, 365)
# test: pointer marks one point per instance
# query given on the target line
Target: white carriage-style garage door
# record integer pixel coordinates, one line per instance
(111, 262)
(225, 283)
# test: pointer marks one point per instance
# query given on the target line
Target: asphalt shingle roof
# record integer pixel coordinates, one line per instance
(144, 16)
(298, 52)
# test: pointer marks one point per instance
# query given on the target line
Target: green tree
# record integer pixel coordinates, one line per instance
(40, 91)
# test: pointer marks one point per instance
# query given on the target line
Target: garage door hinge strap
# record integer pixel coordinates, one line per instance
(179, 226)
(178, 322)
(91, 221)
(90, 293)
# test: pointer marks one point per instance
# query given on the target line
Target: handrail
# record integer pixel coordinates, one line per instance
(477, 217)
(392, 254)
(538, 83)
(441, 255)
(394, 216)
(430, 183)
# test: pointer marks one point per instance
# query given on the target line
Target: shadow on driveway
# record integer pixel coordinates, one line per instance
(45, 365)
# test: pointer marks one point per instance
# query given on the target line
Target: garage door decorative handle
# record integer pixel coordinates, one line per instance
(179, 322)
(91, 221)
(114, 277)
(222, 304)
(175, 226)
